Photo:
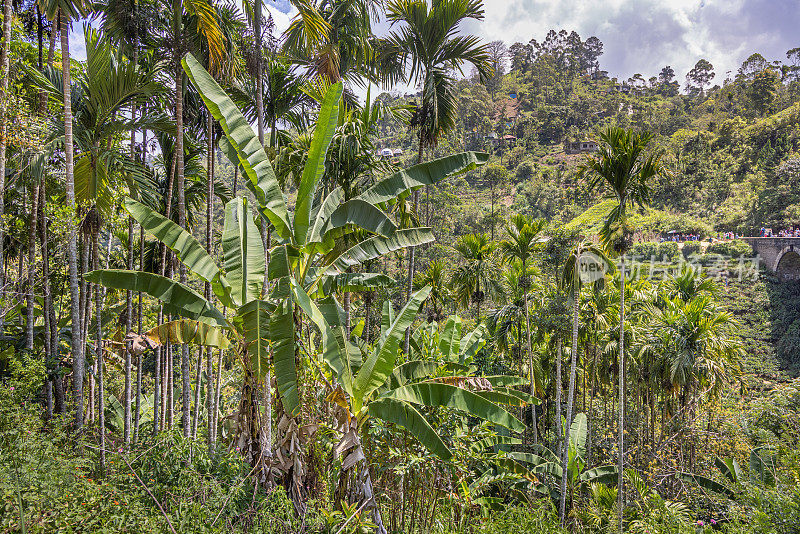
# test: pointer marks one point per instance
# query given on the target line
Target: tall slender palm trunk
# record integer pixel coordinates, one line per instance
(5, 59)
(101, 401)
(30, 317)
(138, 409)
(530, 367)
(559, 431)
(570, 405)
(78, 362)
(177, 6)
(621, 423)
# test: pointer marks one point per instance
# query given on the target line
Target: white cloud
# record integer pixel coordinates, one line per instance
(644, 35)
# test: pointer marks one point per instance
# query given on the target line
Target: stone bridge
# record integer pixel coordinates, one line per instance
(781, 255)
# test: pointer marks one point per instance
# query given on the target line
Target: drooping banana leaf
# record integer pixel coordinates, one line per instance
(606, 474)
(187, 331)
(408, 417)
(354, 282)
(282, 334)
(255, 316)
(180, 241)
(176, 297)
(422, 174)
(252, 157)
(361, 214)
(377, 246)
(242, 252)
(437, 394)
(705, 483)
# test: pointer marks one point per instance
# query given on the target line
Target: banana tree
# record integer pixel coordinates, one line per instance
(546, 469)
(374, 386)
(308, 260)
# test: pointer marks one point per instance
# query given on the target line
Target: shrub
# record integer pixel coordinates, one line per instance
(691, 249)
(524, 172)
(733, 249)
(646, 250)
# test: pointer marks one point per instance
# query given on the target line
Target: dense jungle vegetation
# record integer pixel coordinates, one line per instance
(236, 297)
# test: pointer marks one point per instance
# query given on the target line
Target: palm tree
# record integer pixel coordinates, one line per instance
(65, 11)
(587, 263)
(428, 41)
(478, 278)
(524, 235)
(435, 277)
(624, 166)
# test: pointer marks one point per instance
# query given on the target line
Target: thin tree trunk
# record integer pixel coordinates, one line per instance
(559, 430)
(197, 378)
(530, 369)
(570, 404)
(50, 323)
(412, 254)
(621, 457)
(30, 316)
(138, 409)
(78, 361)
(215, 408)
(208, 292)
(257, 19)
(5, 59)
(101, 404)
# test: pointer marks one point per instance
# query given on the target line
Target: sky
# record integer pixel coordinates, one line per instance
(640, 36)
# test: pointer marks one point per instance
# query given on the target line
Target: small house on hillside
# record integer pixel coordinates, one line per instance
(578, 147)
(507, 110)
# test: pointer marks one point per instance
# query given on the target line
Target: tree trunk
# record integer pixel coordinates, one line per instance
(559, 430)
(78, 361)
(621, 457)
(30, 316)
(259, 72)
(138, 409)
(197, 378)
(530, 368)
(5, 59)
(101, 401)
(208, 292)
(179, 182)
(570, 404)
(411, 253)
(215, 403)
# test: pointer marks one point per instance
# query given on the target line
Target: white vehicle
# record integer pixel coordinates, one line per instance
(387, 153)
(398, 151)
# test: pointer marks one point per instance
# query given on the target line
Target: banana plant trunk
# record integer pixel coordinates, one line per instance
(354, 461)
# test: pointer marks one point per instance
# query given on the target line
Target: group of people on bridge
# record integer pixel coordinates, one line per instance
(788, 232)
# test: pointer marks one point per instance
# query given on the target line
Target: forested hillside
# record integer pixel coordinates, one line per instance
(731, 139)
(236, 297)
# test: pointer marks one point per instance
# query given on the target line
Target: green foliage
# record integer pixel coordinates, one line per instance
(731, 249)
